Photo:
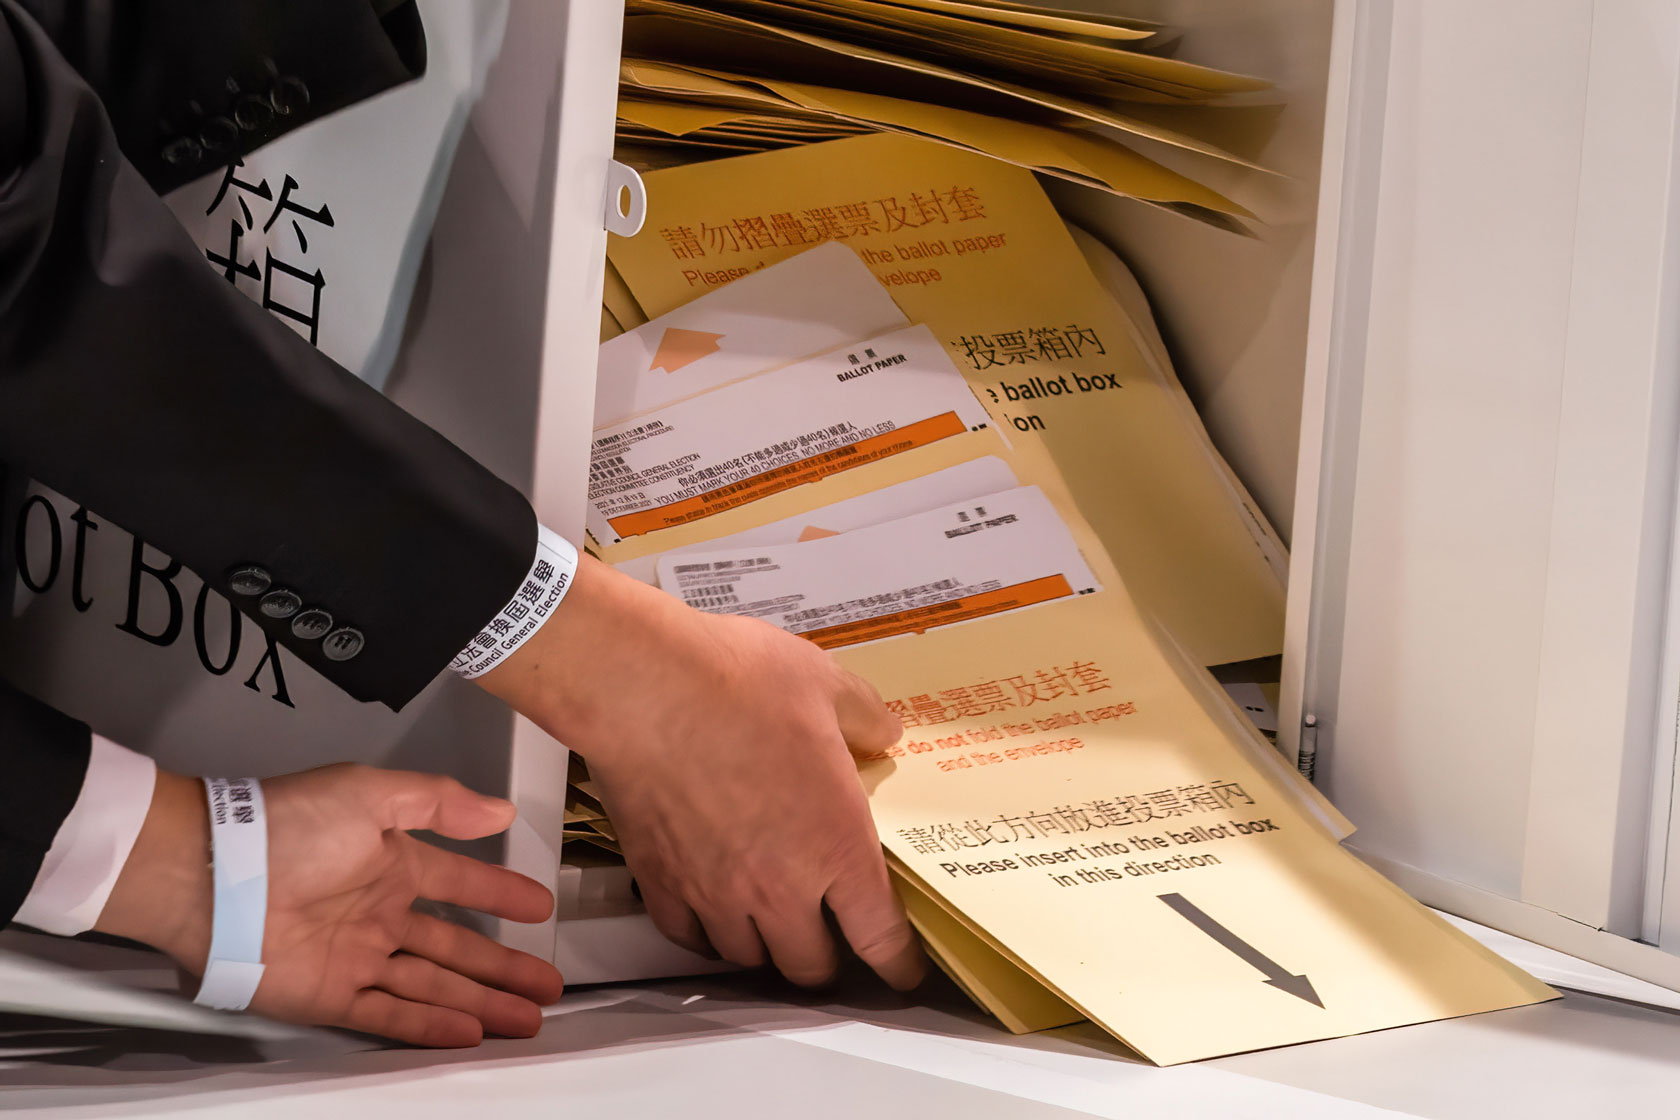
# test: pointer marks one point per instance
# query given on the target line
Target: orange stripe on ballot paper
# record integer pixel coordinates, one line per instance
(817, 467)
(918, 619)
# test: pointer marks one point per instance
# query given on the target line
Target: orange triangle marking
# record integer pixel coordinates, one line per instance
(680, 347)
(812, 533)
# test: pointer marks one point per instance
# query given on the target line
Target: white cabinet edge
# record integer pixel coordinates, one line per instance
(1330, 405)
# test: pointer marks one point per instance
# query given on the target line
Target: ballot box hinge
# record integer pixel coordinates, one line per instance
(625, 206)
(1306, 761)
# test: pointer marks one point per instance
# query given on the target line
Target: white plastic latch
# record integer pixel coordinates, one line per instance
(626, 204)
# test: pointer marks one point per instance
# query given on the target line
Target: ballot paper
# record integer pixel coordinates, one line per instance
(861, 404)
(803, 306)
(972, 247)
(972, 479)
(976, 558)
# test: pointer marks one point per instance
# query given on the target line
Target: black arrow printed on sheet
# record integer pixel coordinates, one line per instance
(1298, 986)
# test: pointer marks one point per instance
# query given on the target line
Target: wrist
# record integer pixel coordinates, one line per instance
(604, 646)
(164, 895)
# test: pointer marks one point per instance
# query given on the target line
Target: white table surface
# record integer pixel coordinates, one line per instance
(751, 1047)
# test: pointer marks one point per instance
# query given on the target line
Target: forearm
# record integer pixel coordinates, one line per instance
(597, 635)
(705, 734)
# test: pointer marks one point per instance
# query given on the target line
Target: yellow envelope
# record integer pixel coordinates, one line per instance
(929, 85)
(972, 247)
(1061, 789)
(714, 40)
(1061, 150)
(1018, 999)
(1009, 46)
(1091, 25)
(1054, 56)
(1122, 286)
(615, 295)
(675, 118)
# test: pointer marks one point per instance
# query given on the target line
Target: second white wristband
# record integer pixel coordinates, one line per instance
(239, 863)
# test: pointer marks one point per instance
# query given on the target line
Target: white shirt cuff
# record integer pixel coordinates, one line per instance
(93, 843)
(550, 577)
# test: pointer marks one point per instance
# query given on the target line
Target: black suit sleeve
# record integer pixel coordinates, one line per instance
(43, 759)
(135, 380)
(190, 85)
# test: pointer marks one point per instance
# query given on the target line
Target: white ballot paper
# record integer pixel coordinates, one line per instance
(964, 561)
(973, 479)
(808, 304)
(860, 404)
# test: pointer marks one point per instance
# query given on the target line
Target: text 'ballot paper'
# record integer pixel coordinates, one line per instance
(860, 404)
(808, 304)
(973, 479)
(965, 561)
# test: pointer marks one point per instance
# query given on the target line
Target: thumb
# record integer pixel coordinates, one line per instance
(868, 726)
(406, 800)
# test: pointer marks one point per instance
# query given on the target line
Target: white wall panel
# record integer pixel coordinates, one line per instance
(1433, 722)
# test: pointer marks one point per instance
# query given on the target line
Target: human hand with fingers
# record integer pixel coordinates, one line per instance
(343, 946)
(724, 749)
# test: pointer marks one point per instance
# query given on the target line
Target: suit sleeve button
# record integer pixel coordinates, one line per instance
(288, 95)
(183, 151)
(343, 644)
(249, 580)
(253, 113)
(219, 135)
(280, 603)
(311, 624)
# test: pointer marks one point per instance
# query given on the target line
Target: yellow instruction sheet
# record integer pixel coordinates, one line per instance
(1064, 794)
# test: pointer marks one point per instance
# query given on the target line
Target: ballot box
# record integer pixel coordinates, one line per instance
(493, 355)
(1447, 370)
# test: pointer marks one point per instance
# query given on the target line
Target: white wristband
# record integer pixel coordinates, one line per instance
(239, 858)
(545, 586)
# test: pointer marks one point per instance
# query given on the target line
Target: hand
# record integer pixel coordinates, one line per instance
(342, 946)
(721, 747)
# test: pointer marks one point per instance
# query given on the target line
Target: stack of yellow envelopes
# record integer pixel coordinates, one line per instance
(1091, 98)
